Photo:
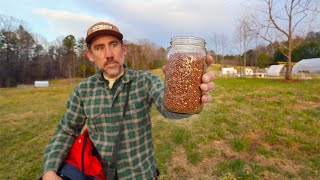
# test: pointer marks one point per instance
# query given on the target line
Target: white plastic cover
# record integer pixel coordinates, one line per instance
(307, 66)
(41, 83)
(276, 70)
(229, 70)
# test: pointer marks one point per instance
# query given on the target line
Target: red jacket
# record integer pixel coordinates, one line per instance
(81, 156)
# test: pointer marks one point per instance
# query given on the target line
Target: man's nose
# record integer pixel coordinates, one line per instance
(108, 53)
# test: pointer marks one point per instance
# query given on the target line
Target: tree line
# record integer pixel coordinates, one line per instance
(261, 55)
(265, 55)
(24, 59)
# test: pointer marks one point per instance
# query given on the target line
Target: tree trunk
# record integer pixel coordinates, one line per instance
(288, 71)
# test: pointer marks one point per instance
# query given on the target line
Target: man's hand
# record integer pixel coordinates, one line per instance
(51, 175)
(206, 84)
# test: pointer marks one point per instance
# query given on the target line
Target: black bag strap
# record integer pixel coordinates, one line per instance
(116, 147)
(83, 150)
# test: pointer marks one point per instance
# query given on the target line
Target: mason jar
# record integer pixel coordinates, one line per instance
(186, 63)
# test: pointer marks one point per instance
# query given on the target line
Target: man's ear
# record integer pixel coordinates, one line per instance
(89, 55)
(125, 49)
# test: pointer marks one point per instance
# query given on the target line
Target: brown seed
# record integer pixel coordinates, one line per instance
(183, 79)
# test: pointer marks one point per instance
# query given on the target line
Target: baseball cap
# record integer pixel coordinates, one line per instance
(102, 28)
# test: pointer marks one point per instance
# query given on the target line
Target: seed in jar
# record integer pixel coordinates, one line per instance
(182, 91)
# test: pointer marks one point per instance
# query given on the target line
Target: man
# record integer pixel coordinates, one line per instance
(98, 102)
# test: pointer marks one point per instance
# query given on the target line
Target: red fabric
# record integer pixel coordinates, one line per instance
(92, 165)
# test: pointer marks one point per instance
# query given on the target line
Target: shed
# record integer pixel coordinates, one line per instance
(247, 72)
(307, 66)
(228, 71)
(41, 84)
(276, 70)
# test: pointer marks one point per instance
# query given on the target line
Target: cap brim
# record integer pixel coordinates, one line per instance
(103, 32)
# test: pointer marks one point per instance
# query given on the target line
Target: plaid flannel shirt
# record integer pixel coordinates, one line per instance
(93, 102)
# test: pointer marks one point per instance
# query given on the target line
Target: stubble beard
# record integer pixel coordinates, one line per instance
(112, 69)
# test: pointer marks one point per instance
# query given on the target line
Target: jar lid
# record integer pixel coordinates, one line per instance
(187, 40)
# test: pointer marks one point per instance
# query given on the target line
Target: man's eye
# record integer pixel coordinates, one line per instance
(114, 44)
(99, 48)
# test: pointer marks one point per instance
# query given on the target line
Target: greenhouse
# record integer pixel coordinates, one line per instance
(276, 70)
(307, 66)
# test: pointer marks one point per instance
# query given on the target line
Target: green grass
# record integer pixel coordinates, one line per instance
(254, 129)
(238, 144)
(28, 117)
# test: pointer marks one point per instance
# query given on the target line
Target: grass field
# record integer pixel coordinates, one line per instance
(254, 129)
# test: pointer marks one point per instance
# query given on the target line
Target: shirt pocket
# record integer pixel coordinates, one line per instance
(95, 120)
(140, 114)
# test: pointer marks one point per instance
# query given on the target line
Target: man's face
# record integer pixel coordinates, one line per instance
(108, 54)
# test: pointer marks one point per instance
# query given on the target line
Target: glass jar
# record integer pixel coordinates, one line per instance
(186, 63)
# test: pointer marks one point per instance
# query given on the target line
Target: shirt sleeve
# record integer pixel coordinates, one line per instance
(155, 93)
(69, 127)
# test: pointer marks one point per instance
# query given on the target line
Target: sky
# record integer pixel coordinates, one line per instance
(155, 20)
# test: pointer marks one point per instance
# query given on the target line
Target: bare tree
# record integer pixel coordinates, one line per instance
(224, 42)
(247, 36)
(8, 50)
(220, 43)
(237, 44)
(149, 49)
(281, 21)
(134, 55)
(243, 36)
(214, 41)
(9, 23)
(144, 55)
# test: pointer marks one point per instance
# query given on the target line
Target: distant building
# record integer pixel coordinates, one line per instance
(229, 71)
(247, 72)
(276, 70)
(307, 66)
(41, 84)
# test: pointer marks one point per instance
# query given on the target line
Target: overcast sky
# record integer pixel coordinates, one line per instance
(156, 20)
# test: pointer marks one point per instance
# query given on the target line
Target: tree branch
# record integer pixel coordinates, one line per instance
(270, 6)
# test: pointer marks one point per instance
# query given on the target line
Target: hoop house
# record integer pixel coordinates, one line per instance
(276, 70)
(307, 66)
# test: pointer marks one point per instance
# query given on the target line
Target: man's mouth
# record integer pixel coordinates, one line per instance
(110, 63)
